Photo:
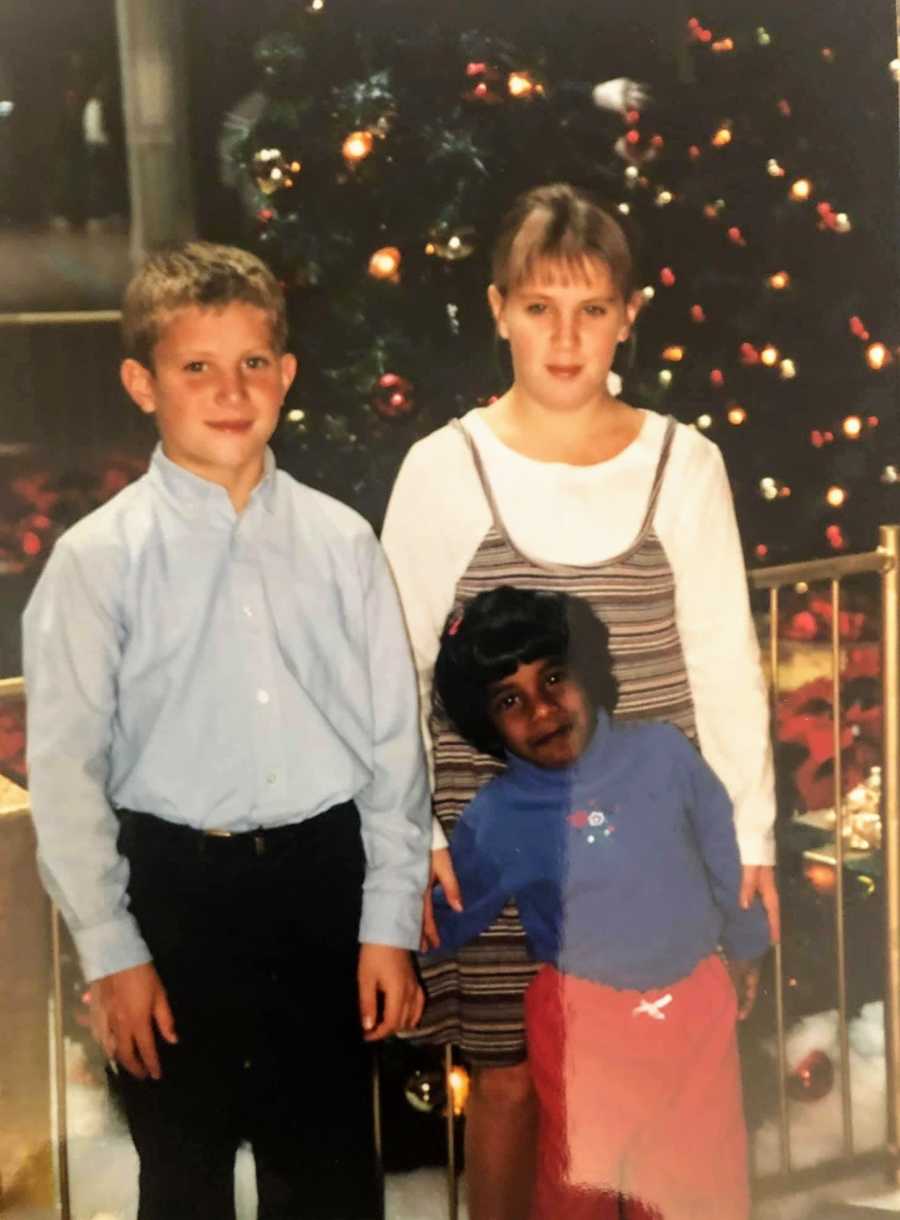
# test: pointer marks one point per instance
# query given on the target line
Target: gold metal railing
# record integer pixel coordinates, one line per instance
(884, 562)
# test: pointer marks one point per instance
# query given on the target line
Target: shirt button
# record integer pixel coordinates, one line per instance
(272, 777)
(248, 612)
(262, 696)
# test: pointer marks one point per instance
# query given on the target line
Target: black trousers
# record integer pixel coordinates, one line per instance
(255, 939)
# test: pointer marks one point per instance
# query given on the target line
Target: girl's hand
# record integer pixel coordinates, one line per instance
(745, 976)
(441, 874)
(760, 879)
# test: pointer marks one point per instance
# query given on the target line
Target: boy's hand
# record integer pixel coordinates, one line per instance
(760, 879)
(745, 976)
(386, 974)
(124, 1008)
(441, 872)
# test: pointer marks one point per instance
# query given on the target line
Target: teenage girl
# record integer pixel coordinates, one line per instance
(560, 485)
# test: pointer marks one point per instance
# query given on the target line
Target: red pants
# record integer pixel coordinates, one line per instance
(639, 1097)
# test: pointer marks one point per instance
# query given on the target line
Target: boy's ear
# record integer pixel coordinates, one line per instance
(139, 383)
(288, 365)
(496, 300)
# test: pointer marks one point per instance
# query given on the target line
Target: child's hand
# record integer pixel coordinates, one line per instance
(760, 879)
(124, 1008)
(387, 982)
(442, 873)
(745, 976)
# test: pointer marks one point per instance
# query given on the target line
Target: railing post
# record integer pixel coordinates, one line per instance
(889, 539)
(452, 1184)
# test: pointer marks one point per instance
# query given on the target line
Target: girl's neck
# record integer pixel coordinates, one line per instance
(579, 436)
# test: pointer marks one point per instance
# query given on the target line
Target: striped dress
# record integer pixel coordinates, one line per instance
(476, 998)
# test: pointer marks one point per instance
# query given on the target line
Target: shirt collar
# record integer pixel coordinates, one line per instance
(557, 779)
(191, 493)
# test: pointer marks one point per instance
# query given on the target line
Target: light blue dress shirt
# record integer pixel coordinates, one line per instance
(225, 671)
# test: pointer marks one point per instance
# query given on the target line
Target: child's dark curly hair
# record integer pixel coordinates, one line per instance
(500, 630)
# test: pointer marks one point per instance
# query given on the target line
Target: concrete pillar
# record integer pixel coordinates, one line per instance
(152, 39)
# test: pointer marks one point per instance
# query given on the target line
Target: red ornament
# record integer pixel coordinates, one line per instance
(633, 136)
(785, 107)
(760, 550)
(392, 396)
(694, 152)
(803, 626)
(31, 543)
(812, 1078)
(835, 537)
(486, 84)
(632, 117)
(749, 354)
(857, 327)
(697, 314)
(667, 277)
(735, 235)
(717, 378)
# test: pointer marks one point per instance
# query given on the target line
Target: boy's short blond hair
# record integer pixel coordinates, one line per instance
(196, 273)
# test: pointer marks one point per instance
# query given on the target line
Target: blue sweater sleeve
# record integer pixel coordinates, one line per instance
(745, 934)
(481, 882)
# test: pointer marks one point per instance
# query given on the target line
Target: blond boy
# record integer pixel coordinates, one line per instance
(226, 778)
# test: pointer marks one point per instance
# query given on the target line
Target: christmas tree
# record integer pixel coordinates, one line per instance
(755, 160)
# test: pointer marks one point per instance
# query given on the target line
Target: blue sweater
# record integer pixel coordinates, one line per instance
(624, 866)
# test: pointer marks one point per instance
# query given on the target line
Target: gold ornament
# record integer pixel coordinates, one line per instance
(523, 84)
(357, 147)
(425, 1091)
(385, 264)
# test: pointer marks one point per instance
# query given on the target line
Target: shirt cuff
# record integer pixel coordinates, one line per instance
(756, 846)
(107, 948)
(400, 925)
(438, 838)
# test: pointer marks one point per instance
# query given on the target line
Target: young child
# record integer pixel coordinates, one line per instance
(618, 844)
(226, 771)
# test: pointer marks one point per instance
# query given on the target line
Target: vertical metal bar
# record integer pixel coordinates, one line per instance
(784, 1126)
(889, 538)
(59, 1049)
(377, 1129)
(452, 1186)
(839, 921)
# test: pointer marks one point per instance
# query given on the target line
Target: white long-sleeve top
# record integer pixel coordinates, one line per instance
(583, 515)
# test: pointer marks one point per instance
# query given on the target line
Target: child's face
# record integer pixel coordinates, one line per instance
(563, 327)
(542, 713)
(216, 388)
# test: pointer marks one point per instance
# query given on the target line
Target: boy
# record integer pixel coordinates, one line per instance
(618, 844)
(226, 776)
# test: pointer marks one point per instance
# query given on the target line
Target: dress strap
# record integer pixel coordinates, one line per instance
(668, 438)
(482, 475)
